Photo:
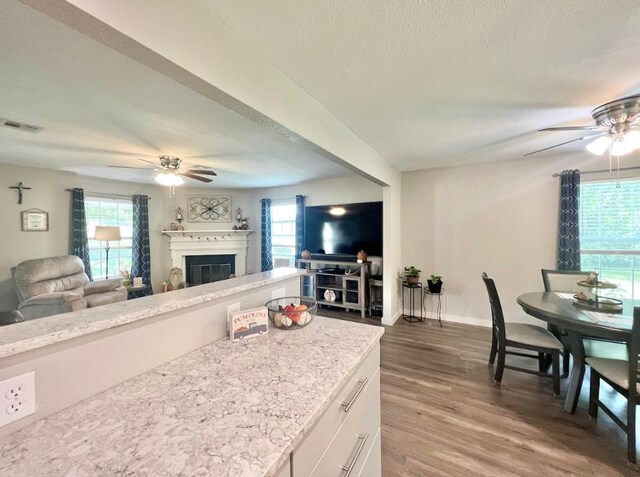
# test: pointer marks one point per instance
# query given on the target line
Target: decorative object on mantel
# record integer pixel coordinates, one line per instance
(20, 187)
(243, 221)
(435, 284)
(248, 324)
(362, 256)
(412, 275)
(292, 312)
(179, 218)
(212, 209)
(35, 220)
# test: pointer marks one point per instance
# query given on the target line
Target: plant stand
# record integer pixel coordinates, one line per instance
(411, 290)
(438, 305)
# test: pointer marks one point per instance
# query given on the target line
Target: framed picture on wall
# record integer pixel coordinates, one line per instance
(35, 220)
(209, 209)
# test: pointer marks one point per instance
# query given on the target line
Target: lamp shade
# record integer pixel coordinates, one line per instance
(107, 234)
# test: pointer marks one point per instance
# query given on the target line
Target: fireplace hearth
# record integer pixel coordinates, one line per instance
(203, 269)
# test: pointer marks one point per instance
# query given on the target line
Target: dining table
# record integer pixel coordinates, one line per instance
(578, 323)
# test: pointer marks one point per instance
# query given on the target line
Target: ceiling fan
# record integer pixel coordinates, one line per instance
(171, 171)
(617, 126)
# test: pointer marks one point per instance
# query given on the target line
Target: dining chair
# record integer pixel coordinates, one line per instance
(566, 281)
(621, 375)
(520, 336)
(562, 281)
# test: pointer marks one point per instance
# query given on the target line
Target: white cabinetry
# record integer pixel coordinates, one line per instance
(346, 438)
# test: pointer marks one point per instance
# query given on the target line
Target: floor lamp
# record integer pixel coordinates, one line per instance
(106, 234)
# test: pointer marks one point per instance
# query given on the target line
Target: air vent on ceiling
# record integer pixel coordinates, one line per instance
(30, 128)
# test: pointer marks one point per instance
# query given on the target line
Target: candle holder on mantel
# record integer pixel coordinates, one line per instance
(598, 302)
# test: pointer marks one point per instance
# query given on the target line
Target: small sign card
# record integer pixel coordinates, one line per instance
(248, 324)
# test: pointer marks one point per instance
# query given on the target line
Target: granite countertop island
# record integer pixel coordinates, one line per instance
(34, 334)
(227, 409)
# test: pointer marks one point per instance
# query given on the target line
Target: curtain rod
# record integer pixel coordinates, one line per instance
(622, 169)
(106, 194)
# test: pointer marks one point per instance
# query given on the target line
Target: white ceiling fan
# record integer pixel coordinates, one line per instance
(171, 172)
(618, 123)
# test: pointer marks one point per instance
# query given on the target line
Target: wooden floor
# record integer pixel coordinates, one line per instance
(442, 414)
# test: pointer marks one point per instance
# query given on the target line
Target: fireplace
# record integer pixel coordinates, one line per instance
(203, 269)
(191, 243)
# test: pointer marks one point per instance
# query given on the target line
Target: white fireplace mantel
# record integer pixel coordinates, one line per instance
(183, 243)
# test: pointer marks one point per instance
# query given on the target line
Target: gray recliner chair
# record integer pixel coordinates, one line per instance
(54, 285)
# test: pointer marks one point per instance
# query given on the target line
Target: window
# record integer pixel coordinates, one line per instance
(109, 212)
(283, 232)
(610, 233)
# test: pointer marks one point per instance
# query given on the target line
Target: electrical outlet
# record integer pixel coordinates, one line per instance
(279, 293)
(17, 398)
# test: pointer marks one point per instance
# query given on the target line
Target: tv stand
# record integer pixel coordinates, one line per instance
(347, 280)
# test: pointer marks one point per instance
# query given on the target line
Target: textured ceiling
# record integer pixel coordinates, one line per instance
(437, 82)
(98, 107)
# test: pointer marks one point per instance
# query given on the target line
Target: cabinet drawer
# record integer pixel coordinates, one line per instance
(372, 465)
(354, 440)
(309, 451)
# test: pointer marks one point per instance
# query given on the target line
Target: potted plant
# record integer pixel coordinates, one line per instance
(435, 284)
(412, 275)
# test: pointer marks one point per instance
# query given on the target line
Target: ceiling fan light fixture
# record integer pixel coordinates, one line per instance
(599, 146)
(622, 146)
(633, 139)
(169, 179)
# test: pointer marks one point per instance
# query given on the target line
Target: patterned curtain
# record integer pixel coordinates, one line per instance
(569, 228)
(267, 252)
(299, 225)
(78, 239)
(141, 256)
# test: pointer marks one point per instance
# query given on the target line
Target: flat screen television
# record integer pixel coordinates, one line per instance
(344, 230)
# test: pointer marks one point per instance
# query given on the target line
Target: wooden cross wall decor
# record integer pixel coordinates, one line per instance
(20, 187)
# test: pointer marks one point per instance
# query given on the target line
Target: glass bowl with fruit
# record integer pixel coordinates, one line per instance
(291, 312)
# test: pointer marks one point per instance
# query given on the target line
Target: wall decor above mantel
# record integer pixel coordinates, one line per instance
(209, 209)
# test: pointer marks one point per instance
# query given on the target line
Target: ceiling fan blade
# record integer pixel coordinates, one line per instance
(563, 143)
(150, 162)
(202, 172)
(193, 176)
(571, 128)
(191, 165)
(129, 167)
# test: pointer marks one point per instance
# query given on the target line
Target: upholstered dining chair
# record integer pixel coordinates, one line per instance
(562, 281)
(566, 281)
(520, 336)
(621, 375)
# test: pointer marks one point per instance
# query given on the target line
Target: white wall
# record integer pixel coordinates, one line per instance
(243, 198)
(48, 193)
(346, 190)
(500, 218)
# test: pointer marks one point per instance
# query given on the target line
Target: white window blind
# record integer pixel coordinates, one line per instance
(610, 233)
(109, 212)
(283, 232)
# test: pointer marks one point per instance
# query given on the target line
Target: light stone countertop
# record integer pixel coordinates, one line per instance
(227, 409)
(33, 334)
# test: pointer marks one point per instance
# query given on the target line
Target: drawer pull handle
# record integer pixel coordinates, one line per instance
(347, 405)
(349, 469)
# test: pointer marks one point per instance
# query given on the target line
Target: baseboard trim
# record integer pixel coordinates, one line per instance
(465, 320)
(393, 319)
